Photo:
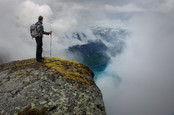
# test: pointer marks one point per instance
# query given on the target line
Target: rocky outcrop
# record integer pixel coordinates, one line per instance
(56, 86)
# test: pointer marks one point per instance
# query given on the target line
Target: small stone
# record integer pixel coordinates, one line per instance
(2, 111)
(42, 102)
(51, 93)
(17, 108)
(43, 91)
(32, 104)
(50, 103)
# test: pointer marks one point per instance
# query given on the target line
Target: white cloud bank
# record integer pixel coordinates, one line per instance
(28, 11)
(145, 67)
(128, 8)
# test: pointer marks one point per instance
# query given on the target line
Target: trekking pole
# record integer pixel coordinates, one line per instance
(43, 52)
(50, 44)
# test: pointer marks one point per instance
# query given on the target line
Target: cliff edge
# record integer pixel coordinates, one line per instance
(56, 86)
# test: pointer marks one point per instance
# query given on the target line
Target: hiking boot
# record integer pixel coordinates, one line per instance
(39, 60)
(42, 58)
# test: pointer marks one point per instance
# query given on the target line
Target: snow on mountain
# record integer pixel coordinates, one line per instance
(108, 42)
(112, 37)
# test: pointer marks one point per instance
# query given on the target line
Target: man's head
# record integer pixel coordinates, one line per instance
(40, 18)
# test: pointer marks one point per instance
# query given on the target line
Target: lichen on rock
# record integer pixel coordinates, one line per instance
(58, 85)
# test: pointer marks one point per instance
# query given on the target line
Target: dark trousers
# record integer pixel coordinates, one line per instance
(38, 48)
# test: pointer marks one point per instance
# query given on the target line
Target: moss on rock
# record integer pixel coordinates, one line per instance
(34, 111)
(59, 86)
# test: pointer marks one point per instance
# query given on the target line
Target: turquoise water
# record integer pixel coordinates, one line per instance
(98, 70)
(102, 71)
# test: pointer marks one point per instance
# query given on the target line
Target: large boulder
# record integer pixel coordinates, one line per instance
(55, 86)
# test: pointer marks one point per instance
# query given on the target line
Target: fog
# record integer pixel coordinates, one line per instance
(137, 82)
(145, 68)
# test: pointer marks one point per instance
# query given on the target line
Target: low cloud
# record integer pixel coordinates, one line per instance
(28, 11)
(128, 8)
(145, 68)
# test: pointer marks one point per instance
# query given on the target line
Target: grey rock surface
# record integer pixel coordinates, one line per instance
(60, 86)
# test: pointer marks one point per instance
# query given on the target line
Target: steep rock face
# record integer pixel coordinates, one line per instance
(56, 86)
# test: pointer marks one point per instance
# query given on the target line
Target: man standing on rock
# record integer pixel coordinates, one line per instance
(39, 42)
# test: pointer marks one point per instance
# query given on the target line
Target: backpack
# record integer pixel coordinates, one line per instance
(35, 30)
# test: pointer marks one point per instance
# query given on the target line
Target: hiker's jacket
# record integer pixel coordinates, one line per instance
(42, 29)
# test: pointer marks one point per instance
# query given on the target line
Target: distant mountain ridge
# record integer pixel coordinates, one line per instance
(95, 53)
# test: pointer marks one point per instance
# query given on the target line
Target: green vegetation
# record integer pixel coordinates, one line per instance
(33, 111)
(19, 74)
(66, 68)
(70, 69)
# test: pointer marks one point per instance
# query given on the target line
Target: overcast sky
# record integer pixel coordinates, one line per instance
(146, 65)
